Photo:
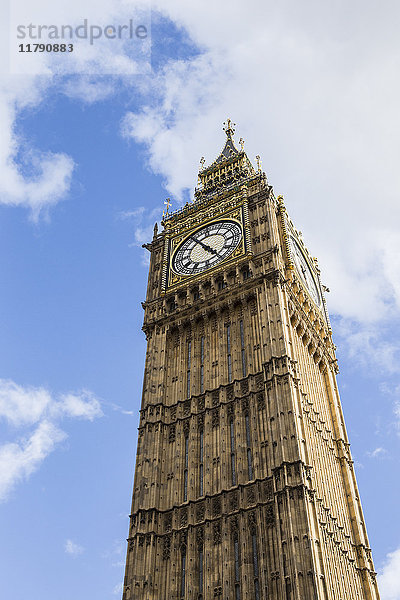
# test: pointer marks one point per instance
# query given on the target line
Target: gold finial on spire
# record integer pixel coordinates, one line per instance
(241, 142)
(167, 202)
(202, 162)
(229, 128)
(258, 163)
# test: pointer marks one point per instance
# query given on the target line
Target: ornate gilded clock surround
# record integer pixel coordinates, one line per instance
(234, 208)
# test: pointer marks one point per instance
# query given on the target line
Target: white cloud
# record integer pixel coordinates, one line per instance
(136, 214)
(393, 391)
(88, 89)
(28, 177)
(370, 343)
(121, 410)
(116, 554)
(179, 128)
(117, 591)
(397, 414)
(83, 405)
(388, 578)
(23, 407)
(144, 221)
(18, 460)
(377, 453)
(73, 548)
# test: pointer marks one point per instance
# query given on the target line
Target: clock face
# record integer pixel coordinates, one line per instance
(207, 247)
(304, 271)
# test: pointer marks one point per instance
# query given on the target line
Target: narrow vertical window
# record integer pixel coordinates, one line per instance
(189, 360)
(201, 559)
(243, 352)
(183, 572)
(248, 443)
(255, 566)
(185, 472)
(228, 347)
(233, 468)
(201, 464)
(237, 567)
(202, 365)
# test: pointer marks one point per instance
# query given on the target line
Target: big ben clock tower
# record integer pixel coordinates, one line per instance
(244, 486)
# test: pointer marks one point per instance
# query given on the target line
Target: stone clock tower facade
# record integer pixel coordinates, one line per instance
(244, 486)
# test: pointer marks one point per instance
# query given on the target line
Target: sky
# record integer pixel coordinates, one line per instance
(92, 142)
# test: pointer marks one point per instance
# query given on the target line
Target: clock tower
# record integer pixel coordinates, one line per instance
(244, 486)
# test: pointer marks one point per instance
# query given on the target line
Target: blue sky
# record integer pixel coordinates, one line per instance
(85, 166)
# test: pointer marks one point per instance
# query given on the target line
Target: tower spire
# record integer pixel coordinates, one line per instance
(231, 166)
(229, 150)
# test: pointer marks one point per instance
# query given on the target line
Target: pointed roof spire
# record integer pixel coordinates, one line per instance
(232, 167)
(229, 149)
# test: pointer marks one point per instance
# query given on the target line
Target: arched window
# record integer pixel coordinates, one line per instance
(201, 571)
(185, 471)
(183, 571)
(189, 361)
(248, 443)
(233, 458)
(201, 463)
(255, 565)
(243, 351)
(237, 565)
(228, 348)
(202, 364)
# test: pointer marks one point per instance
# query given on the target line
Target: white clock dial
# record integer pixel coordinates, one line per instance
(304, 270)
(207, 247)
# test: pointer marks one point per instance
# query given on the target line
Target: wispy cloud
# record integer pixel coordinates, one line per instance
(88, 89)
(116, 554)
(378, 453)
(73, 548)
(143, 221)
(117, 591)
(27, 407)
(388, 577)
(370, 344)
(136, 214)
(396, 412)
(121, 410)
(393, 392)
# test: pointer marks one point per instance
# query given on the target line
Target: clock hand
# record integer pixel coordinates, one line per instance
(205, 246)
